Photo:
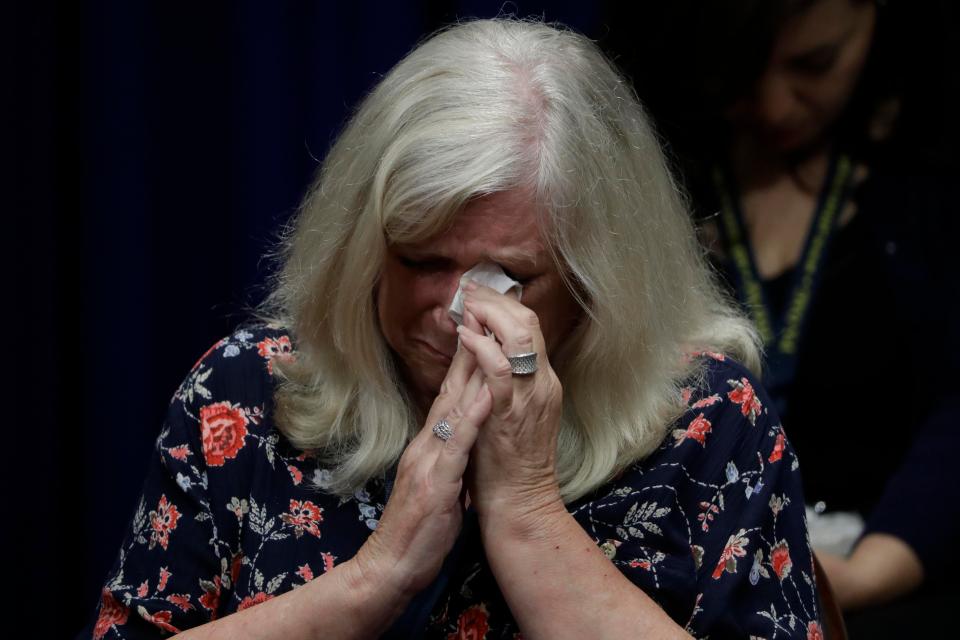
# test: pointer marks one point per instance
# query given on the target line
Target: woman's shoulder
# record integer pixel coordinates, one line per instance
(226, 396)
(727, 421)
(724, 389)
(239, 366)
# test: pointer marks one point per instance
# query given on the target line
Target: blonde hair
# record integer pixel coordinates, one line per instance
(484, 107)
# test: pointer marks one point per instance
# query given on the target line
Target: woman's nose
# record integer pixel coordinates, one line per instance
(773, 100)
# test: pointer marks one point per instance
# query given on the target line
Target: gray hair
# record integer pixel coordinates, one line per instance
(479, 108)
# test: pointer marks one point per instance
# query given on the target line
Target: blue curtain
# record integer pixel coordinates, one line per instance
(156, 149)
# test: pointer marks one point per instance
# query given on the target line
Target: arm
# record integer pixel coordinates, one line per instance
(556, 581)
(559, 584)
(881, 568)
(350, 601)
(730, 549)
(909, 536)
(181, 562)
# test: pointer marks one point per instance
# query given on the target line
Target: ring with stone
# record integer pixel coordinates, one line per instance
(523, 364)
(443, 430)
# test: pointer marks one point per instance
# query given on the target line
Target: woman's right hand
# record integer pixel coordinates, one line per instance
(423, 515)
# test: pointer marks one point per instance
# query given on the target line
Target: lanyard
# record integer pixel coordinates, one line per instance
(782, 330)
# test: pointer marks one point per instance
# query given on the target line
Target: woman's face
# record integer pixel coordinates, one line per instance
(419, 281)
(813, 69)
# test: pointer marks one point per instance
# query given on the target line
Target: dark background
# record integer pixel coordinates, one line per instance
(152, 150)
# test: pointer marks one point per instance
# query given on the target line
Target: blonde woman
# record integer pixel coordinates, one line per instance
(577, 453)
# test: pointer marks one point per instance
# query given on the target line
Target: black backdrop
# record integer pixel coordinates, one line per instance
(151, 152)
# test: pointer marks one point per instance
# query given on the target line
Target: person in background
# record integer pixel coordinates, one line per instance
(816, 161)
(572, 451)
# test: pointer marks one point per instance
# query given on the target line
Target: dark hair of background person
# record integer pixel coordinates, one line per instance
(156, 150)
(689, 60)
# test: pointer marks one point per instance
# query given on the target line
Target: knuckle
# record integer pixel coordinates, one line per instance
(524, 341)
(529, 319)
(455, 415)
(503, 369)
(445, 391)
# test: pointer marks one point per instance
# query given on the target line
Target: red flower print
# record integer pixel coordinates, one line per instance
(814, 632)
(744, 395)
(279, 348)
(328, 559)
(728, 557)
(295, 474)
(780, 559)
(143, 589)
(706, 517)
(303, 516)
(697, 430)
(642, 564)
(685, 394)
(777, 452)
(181, 600)
(235, 565)
(305, 572)
(223, 427)
(160, 619)
(162, 522)
(254, 600)
(210, 600)
(180, 453)
(164, 576)
(706, 402)
(472, 624)
(112, 612)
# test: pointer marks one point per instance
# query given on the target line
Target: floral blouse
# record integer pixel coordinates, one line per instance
(710, 525)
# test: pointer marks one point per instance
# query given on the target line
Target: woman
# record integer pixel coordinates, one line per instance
(362, 465)
(832, 229)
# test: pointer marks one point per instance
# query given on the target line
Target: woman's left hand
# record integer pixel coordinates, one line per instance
(512, 471)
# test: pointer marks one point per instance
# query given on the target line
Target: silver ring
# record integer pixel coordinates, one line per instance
(443, 430)
(523, 364)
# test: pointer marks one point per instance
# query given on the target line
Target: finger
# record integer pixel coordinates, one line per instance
(516, 326)
(496, 368)
(471, 321)
(473, 385)
(465, 419)
(462, 367)
(467, 395)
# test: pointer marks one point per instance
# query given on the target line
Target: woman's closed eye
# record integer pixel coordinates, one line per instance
(524, 280)
(424, 264)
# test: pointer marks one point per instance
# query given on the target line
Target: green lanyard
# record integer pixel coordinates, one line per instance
(782, 330)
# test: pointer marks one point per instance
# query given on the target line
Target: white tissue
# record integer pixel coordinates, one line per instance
(488, 274)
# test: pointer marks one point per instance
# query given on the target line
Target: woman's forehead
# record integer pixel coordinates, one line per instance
(502, 227)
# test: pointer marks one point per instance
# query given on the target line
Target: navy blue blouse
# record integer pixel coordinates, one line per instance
(710, 525)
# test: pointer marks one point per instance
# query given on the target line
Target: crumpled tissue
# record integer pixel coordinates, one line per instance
(488, 274)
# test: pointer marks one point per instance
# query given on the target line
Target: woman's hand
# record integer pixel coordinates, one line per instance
(512, 471)
(423, 515)
(556, 581)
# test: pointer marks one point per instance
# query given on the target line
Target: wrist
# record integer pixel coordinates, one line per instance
(376, 599)
(522, 516)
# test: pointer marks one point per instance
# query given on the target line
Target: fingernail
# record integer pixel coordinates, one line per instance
(469, 285)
